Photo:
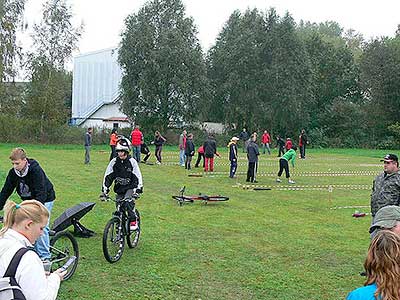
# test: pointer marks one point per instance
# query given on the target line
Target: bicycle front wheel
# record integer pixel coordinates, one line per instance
(113, 240)
(132, 238)
(63, 245)
(183, 199)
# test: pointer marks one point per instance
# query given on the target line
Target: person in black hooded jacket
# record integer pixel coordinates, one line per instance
(210, 149)
(189, 151)
(30, 183)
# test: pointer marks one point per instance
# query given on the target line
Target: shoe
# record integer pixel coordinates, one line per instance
(247, 180)
(158, 163)
(255, 181)
(133, 226)
(291, 181)
(278, 180)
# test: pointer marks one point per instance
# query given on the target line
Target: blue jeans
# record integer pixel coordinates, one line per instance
(42, 245)
(182, 157)
(266, 146)
(136, 153)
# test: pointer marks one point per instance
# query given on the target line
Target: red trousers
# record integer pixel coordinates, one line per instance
(209, 164)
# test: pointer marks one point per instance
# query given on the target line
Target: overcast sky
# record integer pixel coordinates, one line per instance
(104, 19)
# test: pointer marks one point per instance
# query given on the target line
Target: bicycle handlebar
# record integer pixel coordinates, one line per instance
(134, 197)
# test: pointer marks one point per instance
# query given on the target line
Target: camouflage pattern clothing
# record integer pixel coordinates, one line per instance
(385, 191)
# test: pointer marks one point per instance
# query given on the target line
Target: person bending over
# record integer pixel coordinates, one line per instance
(124, 171)
(30, 182)
(284, 164)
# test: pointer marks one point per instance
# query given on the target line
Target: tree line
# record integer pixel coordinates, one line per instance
(264, 71)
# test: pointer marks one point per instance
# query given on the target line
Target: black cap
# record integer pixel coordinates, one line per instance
(390, 157)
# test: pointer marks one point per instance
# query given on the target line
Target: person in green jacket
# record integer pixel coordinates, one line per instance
(284, 164)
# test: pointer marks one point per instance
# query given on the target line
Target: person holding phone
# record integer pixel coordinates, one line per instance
(23, 224)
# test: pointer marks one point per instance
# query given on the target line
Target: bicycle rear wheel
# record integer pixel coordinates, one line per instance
(113, 240)
(132, 239)
(63, 245)
(217, 198)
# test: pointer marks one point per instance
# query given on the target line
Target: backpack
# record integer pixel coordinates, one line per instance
(9, 288)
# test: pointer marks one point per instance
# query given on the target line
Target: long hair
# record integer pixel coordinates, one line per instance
(383, 265)
(28, 209)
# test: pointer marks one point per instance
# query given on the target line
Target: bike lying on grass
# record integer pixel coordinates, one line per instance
(63, 246)
(201, 197)
(117, 228)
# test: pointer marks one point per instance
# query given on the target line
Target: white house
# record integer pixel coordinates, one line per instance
(95, 90)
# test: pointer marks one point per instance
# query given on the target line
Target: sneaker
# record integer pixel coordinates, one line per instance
(158, 163)
(278, 180)
(291, 181)
(133, 226)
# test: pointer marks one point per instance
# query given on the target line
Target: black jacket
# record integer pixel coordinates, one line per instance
(233, 151)
(189, 148)
(159, 141)
(34, 185)
(144, 149)
(124, 173)
(252, 152)
(210, 148)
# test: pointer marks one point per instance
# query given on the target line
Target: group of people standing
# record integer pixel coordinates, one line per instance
(286, 152)
(138, 145)
(206, 152)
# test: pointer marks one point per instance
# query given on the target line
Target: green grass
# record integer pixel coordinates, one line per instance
(258, 245)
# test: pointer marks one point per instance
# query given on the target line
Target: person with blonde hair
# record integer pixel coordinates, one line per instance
(23, 224)
(29, 180)
(382, 266)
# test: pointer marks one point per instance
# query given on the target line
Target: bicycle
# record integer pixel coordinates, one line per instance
(117, 228)
(63, 245)
(201, 197)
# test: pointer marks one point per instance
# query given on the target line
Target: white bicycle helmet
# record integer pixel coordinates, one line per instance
(123, 145)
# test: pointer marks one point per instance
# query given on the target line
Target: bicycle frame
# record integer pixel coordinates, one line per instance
(122, 214)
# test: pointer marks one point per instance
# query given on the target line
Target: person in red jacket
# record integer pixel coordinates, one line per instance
(288, 144)
(265, 140)
(113, 142)
(137, 141)
(200, 156)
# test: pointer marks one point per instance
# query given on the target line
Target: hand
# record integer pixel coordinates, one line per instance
(61, 273)
(104, 197)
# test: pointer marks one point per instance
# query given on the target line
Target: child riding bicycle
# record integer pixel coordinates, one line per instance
(124, 171)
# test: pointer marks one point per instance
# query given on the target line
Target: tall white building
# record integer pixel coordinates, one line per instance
(95, 90)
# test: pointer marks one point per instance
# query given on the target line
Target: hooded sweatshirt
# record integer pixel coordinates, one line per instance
(32, 183)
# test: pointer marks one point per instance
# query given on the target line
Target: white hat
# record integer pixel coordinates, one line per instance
(234, 138)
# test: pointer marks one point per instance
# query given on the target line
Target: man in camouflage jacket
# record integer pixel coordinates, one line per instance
(386, 186)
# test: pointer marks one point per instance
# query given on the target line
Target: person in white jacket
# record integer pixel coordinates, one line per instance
(23, 224)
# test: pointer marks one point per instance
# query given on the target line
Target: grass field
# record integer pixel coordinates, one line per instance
(277, 244)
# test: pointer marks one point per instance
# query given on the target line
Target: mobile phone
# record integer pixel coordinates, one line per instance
(70, 261)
